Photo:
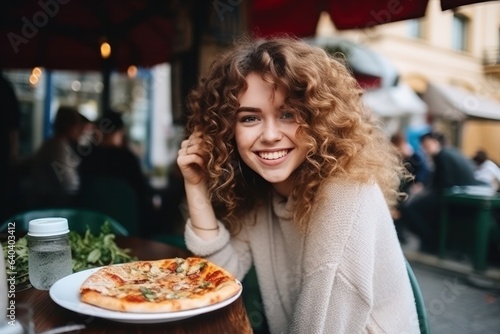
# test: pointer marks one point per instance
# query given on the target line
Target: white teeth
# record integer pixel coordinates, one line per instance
(273, 155)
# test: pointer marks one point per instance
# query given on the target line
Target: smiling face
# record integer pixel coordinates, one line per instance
(266, 134)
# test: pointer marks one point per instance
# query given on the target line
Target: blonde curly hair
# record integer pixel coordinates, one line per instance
(343, 139)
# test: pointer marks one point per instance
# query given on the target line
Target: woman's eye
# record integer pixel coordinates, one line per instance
(248, 119)
(288, 115)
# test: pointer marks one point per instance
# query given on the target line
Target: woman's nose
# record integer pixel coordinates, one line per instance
(271, 132)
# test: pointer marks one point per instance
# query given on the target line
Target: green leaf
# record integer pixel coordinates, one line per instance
(94, 256)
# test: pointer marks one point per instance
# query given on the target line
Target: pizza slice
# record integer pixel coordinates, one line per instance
(159, 286)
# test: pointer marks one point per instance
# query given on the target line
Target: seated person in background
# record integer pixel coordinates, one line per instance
(417, 165)
(53, 179)
(489, 173)
(486, 170)
(111, 157)
(421, 213)
(414, 161)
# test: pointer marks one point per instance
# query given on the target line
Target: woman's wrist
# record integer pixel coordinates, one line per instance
(205, 228)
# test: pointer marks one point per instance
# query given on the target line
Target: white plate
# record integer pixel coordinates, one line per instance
(66, 293)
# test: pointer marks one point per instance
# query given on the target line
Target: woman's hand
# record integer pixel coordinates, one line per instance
(190, 160)
(192, 166)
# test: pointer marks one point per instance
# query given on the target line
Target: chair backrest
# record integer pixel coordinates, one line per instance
(78, 220)
(423, 320)
(113, 197)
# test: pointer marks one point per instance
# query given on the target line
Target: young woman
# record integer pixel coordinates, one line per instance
(284, 169)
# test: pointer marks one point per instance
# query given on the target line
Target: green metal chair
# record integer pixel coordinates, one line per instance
(254, 306)
(423, 320)
(78, 220)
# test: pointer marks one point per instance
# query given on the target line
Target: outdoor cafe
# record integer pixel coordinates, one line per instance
(142, 58)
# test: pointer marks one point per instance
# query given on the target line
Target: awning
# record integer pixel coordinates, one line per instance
(456, 104)
(300, 18)
(370, 68)
(394, 101)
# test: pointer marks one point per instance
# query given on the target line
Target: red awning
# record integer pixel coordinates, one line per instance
(300, 18)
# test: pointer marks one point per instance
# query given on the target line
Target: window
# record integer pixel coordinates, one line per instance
(415, 28)
(460, 32)
(84, 90)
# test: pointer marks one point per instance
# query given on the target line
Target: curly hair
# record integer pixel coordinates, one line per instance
(343, 139)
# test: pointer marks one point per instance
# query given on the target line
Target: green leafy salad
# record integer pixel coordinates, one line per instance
(87, 251)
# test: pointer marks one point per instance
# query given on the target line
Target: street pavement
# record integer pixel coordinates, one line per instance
(458, 300)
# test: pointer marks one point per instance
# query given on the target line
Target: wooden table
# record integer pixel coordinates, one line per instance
(47, 314)
(483, 223)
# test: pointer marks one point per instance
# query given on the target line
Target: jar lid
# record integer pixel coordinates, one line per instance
(44, 227)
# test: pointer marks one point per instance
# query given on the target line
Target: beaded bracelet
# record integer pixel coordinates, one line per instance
(205, 229)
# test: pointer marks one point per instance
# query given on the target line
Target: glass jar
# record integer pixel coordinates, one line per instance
(49, 255)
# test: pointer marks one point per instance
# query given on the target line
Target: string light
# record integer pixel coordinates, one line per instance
(37, 71)
(105, 50)
(132, 71)
(34, 78)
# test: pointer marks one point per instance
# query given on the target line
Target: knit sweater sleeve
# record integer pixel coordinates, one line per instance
(354, 278)
(231, 253)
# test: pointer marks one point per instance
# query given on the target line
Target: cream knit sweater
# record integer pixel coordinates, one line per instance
(345, 275)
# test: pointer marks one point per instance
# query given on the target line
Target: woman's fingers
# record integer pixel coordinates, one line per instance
(190, 159)
(193, 140)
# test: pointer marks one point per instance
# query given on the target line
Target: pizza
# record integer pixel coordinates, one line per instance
(159, 286)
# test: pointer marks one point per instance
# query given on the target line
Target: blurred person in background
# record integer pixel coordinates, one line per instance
(10, 118)
(110, 156)
(83, 146)
(414, 161)
(53, 178)
(421, 213)
(416, 164)
(486, 170)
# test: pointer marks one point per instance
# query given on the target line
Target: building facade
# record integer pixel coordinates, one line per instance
(452, 60)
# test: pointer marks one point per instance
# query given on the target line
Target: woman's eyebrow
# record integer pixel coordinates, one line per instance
(248, 109)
